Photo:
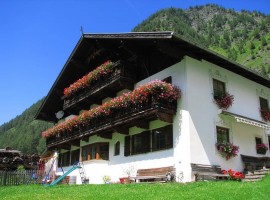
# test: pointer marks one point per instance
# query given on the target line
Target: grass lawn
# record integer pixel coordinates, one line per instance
(199, 190)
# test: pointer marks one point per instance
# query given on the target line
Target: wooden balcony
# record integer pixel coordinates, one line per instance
(119, 121)
(122, 77)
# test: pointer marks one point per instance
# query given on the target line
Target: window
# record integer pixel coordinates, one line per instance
(222, 134)
(264, 104)
(158, 139)
(141, 143)
(75, 156)
(258, 141)
(64, 159)
(97, 151)
(117, 148)
(219, 88)
(85, 153)
(162, 138)
(103, 151)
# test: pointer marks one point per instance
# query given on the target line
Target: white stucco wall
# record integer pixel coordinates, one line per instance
(194, 125)
(204, 116)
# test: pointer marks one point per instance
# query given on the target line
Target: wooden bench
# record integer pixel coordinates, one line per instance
(207, 171)
(252, 163)
(162, 174)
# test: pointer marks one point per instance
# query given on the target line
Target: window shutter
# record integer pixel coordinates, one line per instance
(127, 146)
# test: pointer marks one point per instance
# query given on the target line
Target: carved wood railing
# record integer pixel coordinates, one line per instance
(118, 121)
(121, 77)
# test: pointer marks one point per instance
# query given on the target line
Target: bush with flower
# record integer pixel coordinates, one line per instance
(157, 92)
(227, 150)
(101, 71)
(265, 115)
(261, 148)
(234, 175)
(224, 101)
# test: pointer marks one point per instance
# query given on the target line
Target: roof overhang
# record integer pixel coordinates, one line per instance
(166, 43)
(247, 120)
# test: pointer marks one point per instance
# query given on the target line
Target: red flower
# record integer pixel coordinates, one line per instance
(265, 115)
(227, 150)
(234, 175)
(224, 101)
(101, 71)
(155, 91)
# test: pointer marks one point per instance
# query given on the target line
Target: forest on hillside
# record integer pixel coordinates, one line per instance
(243, 37)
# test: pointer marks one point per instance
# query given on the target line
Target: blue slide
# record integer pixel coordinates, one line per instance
(75, 166)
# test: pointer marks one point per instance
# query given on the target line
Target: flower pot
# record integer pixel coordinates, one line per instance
(261, 151)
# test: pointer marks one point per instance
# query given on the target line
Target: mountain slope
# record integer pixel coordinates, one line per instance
(23, 132)
(241, 36)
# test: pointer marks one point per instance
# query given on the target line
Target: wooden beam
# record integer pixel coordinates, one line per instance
(107, 135)
(122, 130)
(65, 146)
(169, 50)
(165, 117)
(85, 138)
(75, 143)
(142, 124)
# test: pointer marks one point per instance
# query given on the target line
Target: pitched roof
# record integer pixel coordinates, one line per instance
(166, 43)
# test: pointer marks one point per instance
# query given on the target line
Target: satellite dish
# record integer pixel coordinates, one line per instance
(59, 114)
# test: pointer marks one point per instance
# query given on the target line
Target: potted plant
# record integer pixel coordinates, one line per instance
(234, 175)
(128, 171)
(261, 148)
(106, 179)
(227, 150)
(265, 115)
(224, 101)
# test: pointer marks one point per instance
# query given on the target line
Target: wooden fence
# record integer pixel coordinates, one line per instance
(21, 177)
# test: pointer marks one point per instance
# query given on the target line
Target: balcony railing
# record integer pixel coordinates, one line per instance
(121, 77)
(118, 121)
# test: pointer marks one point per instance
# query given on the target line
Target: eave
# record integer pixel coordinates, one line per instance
(166, 43)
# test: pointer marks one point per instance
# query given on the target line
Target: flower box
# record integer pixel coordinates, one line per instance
(265, 115)
(224, 101)
(119, 75)
(145, 101)
(261, 148)
(227, 150)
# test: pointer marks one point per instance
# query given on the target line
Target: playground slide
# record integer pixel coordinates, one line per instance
(64, 175)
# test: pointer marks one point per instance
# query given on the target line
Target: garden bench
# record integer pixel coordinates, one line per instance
(252, 163)
(209, 171)
(162, 174)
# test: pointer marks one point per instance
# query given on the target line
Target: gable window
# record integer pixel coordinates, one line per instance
(162, 138)
(117, 148)
(222, 134)
(97, 151)
(264, 104)
(218, 88)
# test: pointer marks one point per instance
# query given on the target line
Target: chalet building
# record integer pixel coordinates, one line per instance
(130, 101)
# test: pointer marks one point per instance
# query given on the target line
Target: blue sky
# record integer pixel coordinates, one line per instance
(36, 38)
